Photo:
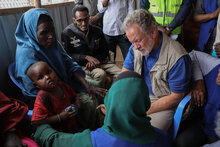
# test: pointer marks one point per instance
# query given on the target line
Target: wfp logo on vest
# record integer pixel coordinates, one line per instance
(75, 42)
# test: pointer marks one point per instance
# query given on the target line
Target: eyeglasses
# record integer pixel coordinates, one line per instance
(81, 20)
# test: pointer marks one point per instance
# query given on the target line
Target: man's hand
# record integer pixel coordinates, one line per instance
(96, 90)
(93, 60)
(105, 3)
(199, 92)
(92, 63)
(218, 78)
(165, 103)
(216, 13)
(217, 49)
(90, 66)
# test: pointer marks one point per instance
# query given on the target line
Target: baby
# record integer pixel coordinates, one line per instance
(52, 100)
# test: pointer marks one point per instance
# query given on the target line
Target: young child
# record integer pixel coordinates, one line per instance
(52, 100)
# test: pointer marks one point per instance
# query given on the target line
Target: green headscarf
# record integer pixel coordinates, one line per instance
(126, 105)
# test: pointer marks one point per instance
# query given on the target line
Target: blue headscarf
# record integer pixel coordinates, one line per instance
(28, 52)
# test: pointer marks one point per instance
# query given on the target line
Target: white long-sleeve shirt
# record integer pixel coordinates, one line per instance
(114, 15)
(202, 64)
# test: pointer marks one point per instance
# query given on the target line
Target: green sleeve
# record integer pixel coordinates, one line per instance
(46, 136)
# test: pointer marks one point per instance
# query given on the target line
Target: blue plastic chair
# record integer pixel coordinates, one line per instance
(11, 73)
(173, 130)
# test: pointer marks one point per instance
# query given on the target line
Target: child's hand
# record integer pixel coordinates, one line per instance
(65, 115)
(102, 108)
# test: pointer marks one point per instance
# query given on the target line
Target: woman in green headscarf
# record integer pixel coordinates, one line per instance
(125, 124)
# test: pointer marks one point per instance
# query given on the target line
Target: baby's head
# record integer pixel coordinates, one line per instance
(42, 75)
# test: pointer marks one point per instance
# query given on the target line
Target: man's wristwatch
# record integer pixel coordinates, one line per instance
(168, 28)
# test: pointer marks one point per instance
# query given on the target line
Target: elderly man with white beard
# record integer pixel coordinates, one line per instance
(163, 62)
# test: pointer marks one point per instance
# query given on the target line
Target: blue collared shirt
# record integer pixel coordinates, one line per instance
(178, 76)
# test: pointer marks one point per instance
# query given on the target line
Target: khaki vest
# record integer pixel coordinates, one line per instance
(170, 53)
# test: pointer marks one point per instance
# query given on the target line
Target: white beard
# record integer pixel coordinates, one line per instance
(146, 51)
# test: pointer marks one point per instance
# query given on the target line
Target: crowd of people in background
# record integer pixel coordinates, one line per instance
(65, 82)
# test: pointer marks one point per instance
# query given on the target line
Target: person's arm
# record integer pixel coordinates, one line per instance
(178, 80)
(93, 20)
(45, 135)
(217, 49)
(76, 72)
(129, 61)
(200, 15)
(124, 69)
(131, 6)
(102, 5)
(55, 118)
(105, 3)
(199, 92)
(166, 102)
(206, 17)
(93, 60)
(102, 108)
(144, 4)
(49, 120)
(182, 14)
(100, 48)
(196, 70)
(198, 89)
(92, 63)
(90, 89)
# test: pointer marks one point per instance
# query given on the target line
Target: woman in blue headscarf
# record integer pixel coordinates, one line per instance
(125, 124)
(36, 41)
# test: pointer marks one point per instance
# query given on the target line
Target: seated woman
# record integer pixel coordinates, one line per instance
(36, 41)
(125, 124)
(13, 125)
